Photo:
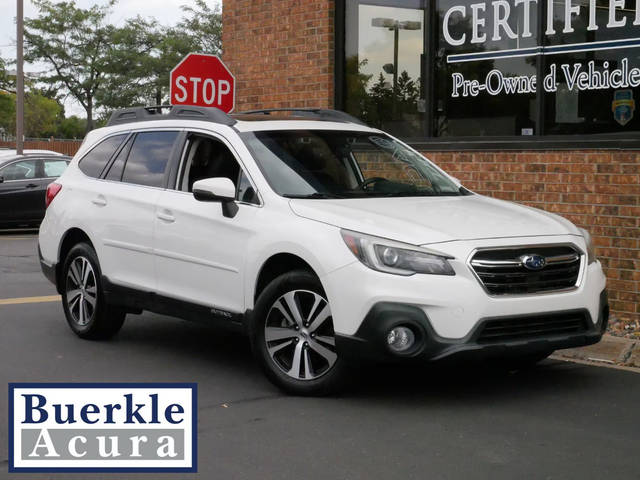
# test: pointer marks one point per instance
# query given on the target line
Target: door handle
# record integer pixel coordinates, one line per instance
(99, 201)
(166, 217)
(31, 185)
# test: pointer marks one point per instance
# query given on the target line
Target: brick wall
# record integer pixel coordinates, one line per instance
(597, 190)
(282, 54)
(280, 51)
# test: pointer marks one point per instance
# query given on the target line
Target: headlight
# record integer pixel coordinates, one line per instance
(393, 257)
(591, 251)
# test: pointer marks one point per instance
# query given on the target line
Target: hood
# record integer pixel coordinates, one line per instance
(424, 220)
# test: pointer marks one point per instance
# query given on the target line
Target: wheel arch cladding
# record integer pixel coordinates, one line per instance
(277, 265)
(72, 237)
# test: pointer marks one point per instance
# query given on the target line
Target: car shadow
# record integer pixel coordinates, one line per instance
(412, 383)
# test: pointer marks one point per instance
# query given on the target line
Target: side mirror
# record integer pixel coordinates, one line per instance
(219, 189)
(1, 179)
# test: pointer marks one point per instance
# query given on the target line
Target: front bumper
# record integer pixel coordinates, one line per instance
(369, 342)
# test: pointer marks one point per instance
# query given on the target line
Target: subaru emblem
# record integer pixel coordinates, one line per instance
(533, 262)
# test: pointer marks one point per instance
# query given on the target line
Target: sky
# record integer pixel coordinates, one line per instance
(167, 12)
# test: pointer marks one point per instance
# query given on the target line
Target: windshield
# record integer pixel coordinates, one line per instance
(338, 164)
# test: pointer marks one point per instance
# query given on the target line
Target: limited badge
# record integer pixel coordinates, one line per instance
(623, 106)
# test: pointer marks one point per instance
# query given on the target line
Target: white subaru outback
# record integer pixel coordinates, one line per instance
(325, 240)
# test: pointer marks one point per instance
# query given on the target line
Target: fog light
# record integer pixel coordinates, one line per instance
(400, 339)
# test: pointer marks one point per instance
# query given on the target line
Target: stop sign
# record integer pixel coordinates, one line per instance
(203, 80)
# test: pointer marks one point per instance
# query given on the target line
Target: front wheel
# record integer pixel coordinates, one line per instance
(87, 312)
(292, 336)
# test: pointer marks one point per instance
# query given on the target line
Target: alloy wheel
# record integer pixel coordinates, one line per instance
(299, 335)
(81, 291)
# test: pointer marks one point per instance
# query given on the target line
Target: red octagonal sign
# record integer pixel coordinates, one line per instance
(203, 80)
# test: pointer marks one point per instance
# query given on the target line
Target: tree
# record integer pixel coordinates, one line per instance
(7, 82)
(7, 113)
(72, 127)
(76, 44)
(204, 26)
(40, 115)
(143, 55)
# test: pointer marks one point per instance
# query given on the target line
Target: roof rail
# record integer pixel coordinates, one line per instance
(320, 113)
(184, 112)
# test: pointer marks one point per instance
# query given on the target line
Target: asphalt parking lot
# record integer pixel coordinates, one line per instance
(558, 421)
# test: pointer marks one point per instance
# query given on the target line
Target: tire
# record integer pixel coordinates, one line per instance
(292, 336)
(87, 312)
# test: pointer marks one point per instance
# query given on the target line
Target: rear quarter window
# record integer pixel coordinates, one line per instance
(94, 162)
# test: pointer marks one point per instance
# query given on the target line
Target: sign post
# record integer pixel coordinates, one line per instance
(204, 81)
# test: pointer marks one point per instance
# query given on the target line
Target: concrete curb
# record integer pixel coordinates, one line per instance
(611, 350)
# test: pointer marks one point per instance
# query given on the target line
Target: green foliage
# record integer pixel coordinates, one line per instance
(7, 82)
(72, 127)
(41, 114)
(75, 43)
(7, 113)
(104, 67)
(204, 26)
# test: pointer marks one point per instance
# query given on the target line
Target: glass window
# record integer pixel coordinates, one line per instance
(23, 170)
(207, 158)
(246, 192)
(117, 166)
(384, 47)
(592, 91)
(479, 92)
(54, 168)
(335, 164)
(495, 68)
(94, 162)
(149, 157)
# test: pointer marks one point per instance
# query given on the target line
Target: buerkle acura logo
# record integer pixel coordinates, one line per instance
(533, 261)
(96, 427)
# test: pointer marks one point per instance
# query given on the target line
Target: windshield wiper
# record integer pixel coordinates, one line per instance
(313, 195)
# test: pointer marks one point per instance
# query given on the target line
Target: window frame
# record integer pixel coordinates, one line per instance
(175, 175)
(429, 142)
(134, 133)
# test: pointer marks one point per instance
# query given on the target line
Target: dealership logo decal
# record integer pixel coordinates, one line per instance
(623, 106)
(133, 427)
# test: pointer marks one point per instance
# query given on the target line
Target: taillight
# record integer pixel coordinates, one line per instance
(52, 190)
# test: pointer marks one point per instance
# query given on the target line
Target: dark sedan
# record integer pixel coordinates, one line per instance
(23, 183)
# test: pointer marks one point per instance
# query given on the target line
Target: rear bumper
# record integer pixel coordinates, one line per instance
(369, 342)
(49, 271)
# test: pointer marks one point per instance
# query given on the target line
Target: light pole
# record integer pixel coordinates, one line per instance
(395, 26)
(20, 78)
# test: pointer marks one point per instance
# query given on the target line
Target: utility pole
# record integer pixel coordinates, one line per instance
(20, 78)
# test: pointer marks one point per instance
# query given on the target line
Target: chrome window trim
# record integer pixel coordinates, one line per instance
(579, 279)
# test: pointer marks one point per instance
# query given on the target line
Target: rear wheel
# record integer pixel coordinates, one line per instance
(293, 338)
(85, 308)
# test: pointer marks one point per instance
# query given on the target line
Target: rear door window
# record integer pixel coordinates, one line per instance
(149, 158)
(22, 170)
(94, 162)
(54, 168)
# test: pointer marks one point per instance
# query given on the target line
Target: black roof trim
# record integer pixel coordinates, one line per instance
(316, 113)
(182, 112)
